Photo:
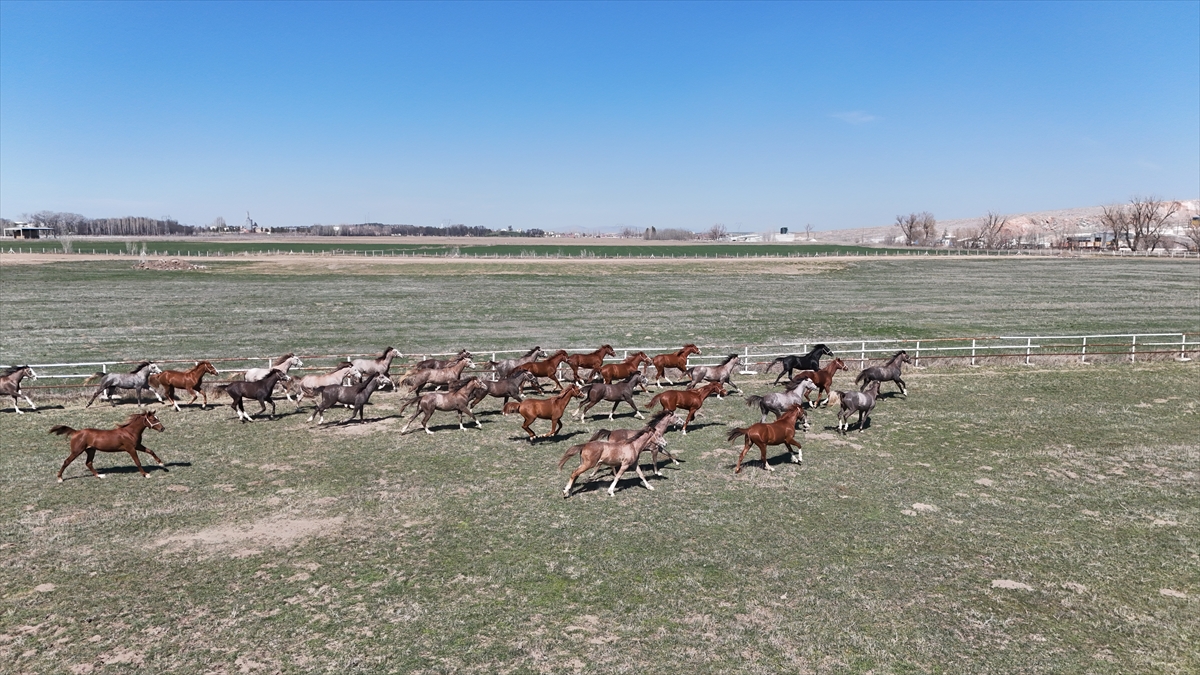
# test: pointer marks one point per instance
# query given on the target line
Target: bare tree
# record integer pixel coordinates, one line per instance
(928, 228)
(717, 232)
(1192, 231)
(627, 232)
(1140, 224)
(808, 232)
(909, 228)
(993, 230)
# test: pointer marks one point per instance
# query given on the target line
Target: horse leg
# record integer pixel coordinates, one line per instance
(26, 396)
(91, 457)
(691, 415)
(745, 449)
(410, 420)
(641, 475)
(797, 454)
(636, 413)
(142, 448)
(473, 418)
(585, 463)
(272, 402)
(862, 418)
(170, 392)
(425, 420)
(17, 405)
(555, 425)
(614, 409)
(93, 399)
(526, 427)
(136, 461)
(903, 389)
(612, 489)
(70, 458)
(762, 445)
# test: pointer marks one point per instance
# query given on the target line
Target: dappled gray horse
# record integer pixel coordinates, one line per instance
(718, 373)
(861, 402)
(505, 367)
(778, 402)
(134, 379)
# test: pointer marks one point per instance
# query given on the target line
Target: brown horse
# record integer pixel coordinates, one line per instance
(596, 392)
(125, 437)
(823, 378)
(437, 376)
(10, 385)
(688, 399)
(677, 360)
(543, 409)
(619, 454)
(187, 380)
(260, 391)
(431, 364)
(622, 370)
(547, 368)
(781, 431)
(591, 361)
(458, 401)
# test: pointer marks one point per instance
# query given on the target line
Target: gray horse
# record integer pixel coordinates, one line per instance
(134, 379)
(615, 392)
(719, 373)
(888, 372)
(505, 367)
(778, 402)
(861, 402)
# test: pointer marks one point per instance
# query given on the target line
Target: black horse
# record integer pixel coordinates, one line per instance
(888, 372)
(810, 361)
(260, 391)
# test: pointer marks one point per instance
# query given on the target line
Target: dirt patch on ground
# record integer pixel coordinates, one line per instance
(276, 531)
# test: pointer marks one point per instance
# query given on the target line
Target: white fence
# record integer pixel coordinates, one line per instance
(755, 358)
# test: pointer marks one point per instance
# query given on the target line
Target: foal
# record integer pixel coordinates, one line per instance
(689, 400)
(187, 380)
(659, 423)
(861, 402)
(676, 360)
(619, 454)
(781, 431)
(719, 373)
(125, 437)
(458, 401)
(10, 385)
(544, 408)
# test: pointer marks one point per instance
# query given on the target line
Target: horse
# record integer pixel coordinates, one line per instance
(688, 399)
(458, 401)
(309, 384)
(676, 360)
(618, 454)
(592, 361)
(505, 367)
(861, 402)
(436, 376)
(781, 431)
(134, 379)
(822, 379)
(779, 402)
(547, 368)
(259, 391)
(622, 370)
(509, 387)
(432, 364)
(660, 423)
(10, 385)
(284, 363)
(622, 391)
(380, 364)
(543, 408)
(888, 372)
(719, 373)
(126, 437)
(810, 361)
(355, 395)
(187, 380)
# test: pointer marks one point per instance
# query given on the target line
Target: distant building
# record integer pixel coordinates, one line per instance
(1090, 240)
(27, 231)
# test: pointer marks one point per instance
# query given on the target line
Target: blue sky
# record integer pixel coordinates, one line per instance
(591, 116)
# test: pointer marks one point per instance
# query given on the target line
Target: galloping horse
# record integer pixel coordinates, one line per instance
(677, 360)
(689, 400)
(619, 371)
(622, 391)
(547, 368)
(134, 379)
(659, 423)
(779, 402)
(437, 376)
(591, 361)
(433, 364)
(355, 395)
(619, 454)
(125, 437)
(259, 391)
(10, 385)
(509, 387)
(823, 379)
(810, 361)
(458, 401)
(309, 384)
(505, 367)
(781, 431)
(284, 363)
(861, 402)
(719, 373)
(380, 364)
(187, 380)
(888, 372)
(543, 408)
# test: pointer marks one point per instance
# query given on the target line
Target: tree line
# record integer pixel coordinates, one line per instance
(74, 224)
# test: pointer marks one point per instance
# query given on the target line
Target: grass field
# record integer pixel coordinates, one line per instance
(997, 520)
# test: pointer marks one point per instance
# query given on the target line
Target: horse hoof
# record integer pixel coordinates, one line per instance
(146, 476)
(649, 487)
(60, 479)
(100, 475)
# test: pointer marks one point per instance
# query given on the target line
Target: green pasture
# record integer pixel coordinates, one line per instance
(1004, 520)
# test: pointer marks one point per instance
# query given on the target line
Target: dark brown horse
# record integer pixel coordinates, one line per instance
(888, 372)
(780, 432)
(543, 409)
(355, 396)
(509, 387)
(591, 361)
(676, 360)
(458, 401)
(260, 391)
(619, 454)
(125, 437)
(547, 368)
(610, 372)
(437, 376)
(10, 385)
(823, 379)
(432, 364)
(187, 380)
(688, 399)
(596, 392)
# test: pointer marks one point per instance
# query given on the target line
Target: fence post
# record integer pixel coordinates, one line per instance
(1083, 354)
(917, 364)
(1183, 347)
(1133, 350)
(862, 357)
(1028, 349)
(972, 351)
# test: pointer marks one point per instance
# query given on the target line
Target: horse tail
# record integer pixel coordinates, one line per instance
(586, 388)
(752, 401)
(835, 398)
(511, 407)
(403, 407)
(573, 450)
(62, 430)
(778, 360)
(734, 433)
(654, 400)
(861, 377)
(94, 377)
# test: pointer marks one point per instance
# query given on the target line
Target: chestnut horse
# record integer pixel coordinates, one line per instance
(187, 380)
(591, 361)
(688, 399)
(622, 370)
(677, 360)
(125, 437)
(547, 368)
(619, 454)
(822, 379)
(10, 385)
(719, 373)
(781, 431)
(543, 409)
(437, 376)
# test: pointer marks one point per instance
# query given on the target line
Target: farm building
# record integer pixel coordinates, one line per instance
(1095, 240)
(27, 231)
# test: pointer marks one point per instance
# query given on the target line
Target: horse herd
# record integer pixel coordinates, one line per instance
(591, 381)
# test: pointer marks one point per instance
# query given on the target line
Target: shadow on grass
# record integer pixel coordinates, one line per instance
(603, 480)
(126, 469)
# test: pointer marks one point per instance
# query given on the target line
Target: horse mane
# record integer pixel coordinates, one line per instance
(132, 417)
(12, 369)
(341, 365)
(141, 365)
(658, 417)
(531, 352)
(282, 360)
(729, 358)
(384, 354)
(896, 356)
